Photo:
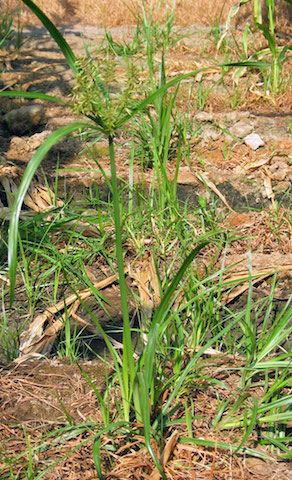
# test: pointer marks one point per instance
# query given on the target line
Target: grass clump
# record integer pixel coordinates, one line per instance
(11, 30)
(159, 364)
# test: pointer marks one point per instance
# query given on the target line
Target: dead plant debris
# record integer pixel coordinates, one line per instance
(38, 397)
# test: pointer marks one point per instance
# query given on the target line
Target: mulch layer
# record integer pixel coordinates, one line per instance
(50, 416)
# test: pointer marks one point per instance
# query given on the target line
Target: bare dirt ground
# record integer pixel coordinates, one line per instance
(28, 391)
(38, 397)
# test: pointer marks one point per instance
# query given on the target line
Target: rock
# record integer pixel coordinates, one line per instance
(279, 170)
(204, 117)
(254, 141)
(240, 194)
(185, 177)
(229, 141)
(240, 220)
(25, 119)
(241, 129)
(282, 187)
(209, 133)
(22, 148)
(18, 149)
(233, 116)
(36, 140)
(69, 78)
(259, 467)
(2, 130)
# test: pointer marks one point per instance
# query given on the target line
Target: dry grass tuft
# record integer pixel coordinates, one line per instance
(105, 13)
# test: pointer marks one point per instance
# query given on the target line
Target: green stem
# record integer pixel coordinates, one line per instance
(275, 69)
(128, 359)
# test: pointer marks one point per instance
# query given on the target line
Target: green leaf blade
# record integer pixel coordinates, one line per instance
(35, 95)
(55, 33)
(24, 185)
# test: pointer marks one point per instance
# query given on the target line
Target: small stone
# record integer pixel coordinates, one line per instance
(282, 187)
(228, 139)
(216, 77)
(25, 119)
(241, 129)
(233, 116)
(36, 140)
(204, 117)
(241, 220)
(279, 171)
(254, 141)
(18, 144)
(69, 78)
(209, 133)
(185, 177)
(257, 466)
(230, 116)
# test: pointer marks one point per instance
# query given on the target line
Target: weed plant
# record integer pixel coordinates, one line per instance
(191, 316)
(6, 28)
(272, 74)
(10, 27)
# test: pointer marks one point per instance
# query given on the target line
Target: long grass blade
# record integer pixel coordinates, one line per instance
(163, 307)
(269, 37)
(24, 185)
(161, 313)
(279, 332)
(146, 420)
(96, 456)
(56, 34)
(224, 446)
(38, 95)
